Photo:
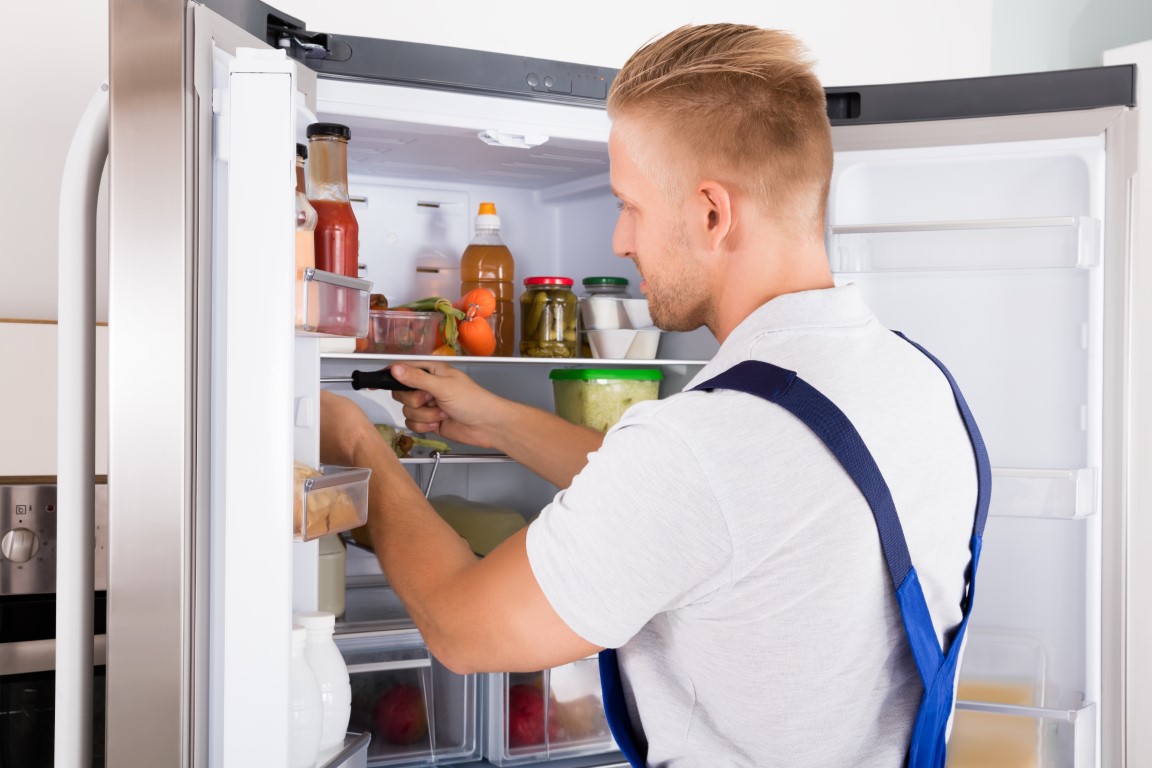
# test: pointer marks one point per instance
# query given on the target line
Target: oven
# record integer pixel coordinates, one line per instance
(28, 622)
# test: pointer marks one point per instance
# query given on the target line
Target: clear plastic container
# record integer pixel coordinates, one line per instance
(417, 711)
(556, 713)
(401, 332)
(598, 397)
(333, 305)
(328, 500)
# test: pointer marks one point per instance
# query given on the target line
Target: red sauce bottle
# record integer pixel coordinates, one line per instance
(337, 232)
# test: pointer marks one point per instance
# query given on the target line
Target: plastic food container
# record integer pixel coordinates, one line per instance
(328, 500)
(556, 713)
(597, 398)
(401, 332)
(417, 710)
(332, 304)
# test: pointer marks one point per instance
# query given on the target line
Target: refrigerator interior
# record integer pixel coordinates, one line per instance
(991, 256)
(420, 163)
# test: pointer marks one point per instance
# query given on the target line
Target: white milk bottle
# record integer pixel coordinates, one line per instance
(305, 716)
(331, 674)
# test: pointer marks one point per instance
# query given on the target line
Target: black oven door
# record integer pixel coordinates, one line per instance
(28, 681)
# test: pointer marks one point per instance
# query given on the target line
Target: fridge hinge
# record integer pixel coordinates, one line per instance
(301, 44)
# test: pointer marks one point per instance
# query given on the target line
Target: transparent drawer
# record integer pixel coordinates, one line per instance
(332, 305)
(538, 716)
(416, 710)
(328, 500)
(1008, 712)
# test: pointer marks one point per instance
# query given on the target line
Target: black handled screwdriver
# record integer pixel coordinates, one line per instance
(381, 379)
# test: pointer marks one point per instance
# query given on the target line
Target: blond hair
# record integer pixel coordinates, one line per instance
(740, 104)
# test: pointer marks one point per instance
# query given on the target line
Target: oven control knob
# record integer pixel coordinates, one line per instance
(19, 545)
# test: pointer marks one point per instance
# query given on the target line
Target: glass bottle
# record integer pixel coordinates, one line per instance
(609, 287)
(337, 232)
(487, 263)
(548, 317)
(305, 235)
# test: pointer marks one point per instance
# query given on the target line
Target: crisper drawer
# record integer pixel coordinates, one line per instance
(537, 716)
(417, 711)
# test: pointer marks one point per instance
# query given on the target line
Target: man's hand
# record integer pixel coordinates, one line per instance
(449, 402)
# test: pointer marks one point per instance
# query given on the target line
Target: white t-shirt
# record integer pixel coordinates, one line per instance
(719, 545)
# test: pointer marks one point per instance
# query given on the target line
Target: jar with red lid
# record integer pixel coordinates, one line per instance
(548, 317)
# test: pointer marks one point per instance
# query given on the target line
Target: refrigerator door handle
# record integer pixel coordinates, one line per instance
(76, 433)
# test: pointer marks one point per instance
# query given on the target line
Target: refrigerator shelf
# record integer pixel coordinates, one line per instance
(1059, 494)
(331, 305)
(360, 357)
(1052, 242)
(352, 755)
(988, 733)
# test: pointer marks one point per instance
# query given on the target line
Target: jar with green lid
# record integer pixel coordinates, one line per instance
(606, 286)
(548, 315)
(597, 286)
(598, 397)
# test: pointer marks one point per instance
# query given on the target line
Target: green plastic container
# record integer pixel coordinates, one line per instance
(598, 397)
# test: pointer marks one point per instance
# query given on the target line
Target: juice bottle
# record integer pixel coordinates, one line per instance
(487, 263)
(337, 233)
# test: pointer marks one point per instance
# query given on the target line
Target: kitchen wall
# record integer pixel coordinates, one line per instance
(854, 44)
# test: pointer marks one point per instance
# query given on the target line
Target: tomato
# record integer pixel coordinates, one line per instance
(400, 715)
(526, 717)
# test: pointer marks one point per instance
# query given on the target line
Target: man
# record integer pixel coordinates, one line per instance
(710, 536)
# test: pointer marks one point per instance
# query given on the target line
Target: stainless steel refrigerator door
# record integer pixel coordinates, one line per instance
(162, 58)
(154, 661)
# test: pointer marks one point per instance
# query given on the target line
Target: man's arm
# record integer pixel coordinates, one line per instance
(475, 614)
(449, 402)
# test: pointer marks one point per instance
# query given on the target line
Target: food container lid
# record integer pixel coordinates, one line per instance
(302, 151)
(548, 280)
(586, 374)
(622, 281)
(329, 129)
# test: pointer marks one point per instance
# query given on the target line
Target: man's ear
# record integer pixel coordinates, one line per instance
(715, 203)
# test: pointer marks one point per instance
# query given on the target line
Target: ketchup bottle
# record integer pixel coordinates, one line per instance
(337, 233)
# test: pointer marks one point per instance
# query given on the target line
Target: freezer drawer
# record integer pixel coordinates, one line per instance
(537, 716)
(417, 711)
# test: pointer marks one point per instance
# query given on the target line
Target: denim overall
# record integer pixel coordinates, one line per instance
(937, 668)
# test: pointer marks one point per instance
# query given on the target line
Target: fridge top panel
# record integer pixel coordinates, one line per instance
(1039, 92)
(430, 135)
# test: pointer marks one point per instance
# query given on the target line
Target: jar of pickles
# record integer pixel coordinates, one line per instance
(548, 318)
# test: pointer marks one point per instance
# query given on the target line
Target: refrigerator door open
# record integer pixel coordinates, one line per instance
(987, 240)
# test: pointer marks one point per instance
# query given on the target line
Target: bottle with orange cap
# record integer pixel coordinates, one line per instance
(487, 263)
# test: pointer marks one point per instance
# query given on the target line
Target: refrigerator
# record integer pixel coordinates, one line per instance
(1001, 222)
